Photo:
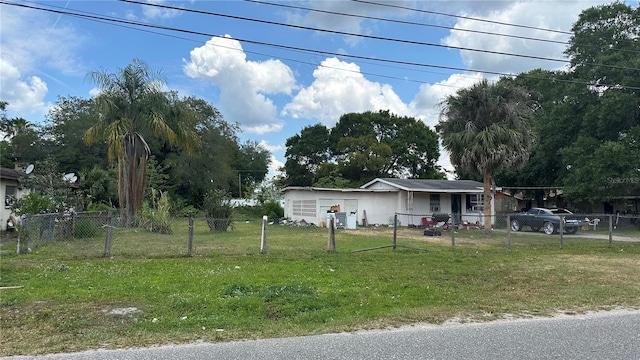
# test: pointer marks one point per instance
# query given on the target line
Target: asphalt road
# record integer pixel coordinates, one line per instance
(602, 335)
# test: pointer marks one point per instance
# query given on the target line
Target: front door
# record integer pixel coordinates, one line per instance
(456, 203)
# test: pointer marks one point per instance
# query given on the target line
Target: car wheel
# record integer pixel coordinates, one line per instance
(549, 228)
(572, 230)
(535, 229)
(515, 225)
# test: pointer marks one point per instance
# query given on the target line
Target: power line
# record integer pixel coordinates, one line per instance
(404, 22)
(413, 23)
(412, 42)
(462, 17)
(292, 48)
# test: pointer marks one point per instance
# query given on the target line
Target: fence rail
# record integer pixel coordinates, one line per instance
(104, 234)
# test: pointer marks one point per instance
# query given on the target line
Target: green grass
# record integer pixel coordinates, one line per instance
(229, 291)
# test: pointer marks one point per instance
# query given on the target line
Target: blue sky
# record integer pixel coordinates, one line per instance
(241, 67)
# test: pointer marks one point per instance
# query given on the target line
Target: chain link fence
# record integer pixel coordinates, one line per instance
(105, 234)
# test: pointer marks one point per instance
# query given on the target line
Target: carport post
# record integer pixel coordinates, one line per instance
(561, 230)
(509, 232)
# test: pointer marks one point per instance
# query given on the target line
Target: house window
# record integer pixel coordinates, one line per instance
(304, 208)
(434, 202)
(475, 202)
(10, 193)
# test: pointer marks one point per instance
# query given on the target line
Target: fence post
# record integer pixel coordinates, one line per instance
(190, 242)
(263, 237)
(509, 232)
(23, 235)
(610, 229)
(109, 237)
(561, 231)
(331, 241)
(453, 233)
(395, 230)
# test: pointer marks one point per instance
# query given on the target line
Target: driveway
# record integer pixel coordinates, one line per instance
(579, 234)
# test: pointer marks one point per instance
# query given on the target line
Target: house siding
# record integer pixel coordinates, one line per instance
(378, 202)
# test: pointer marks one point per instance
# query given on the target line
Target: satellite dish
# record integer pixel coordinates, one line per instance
(29, 169)
(73, 179)
(68, 176)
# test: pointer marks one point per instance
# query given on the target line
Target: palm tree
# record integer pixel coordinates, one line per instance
(485, 128)
(131, 103)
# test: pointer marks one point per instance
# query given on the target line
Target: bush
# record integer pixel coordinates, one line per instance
(156, 218)
(273, 210)
(218, 210)
(33, 203)
(85, 228)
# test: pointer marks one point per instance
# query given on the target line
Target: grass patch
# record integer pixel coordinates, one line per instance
(229, 291)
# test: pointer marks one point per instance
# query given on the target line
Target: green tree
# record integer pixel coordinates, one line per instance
(485, 128)
(604, 46)
(305, 152)
(380, 144)
(24, 145)
(49, 187)
(67, 122)
(98, 186)
(601, 164)
(193, 176)
(252, 165)
(130, 105)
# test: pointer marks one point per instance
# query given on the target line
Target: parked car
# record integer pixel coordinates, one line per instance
(546, 219)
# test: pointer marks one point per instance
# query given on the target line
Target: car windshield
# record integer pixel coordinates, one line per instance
(561, 211)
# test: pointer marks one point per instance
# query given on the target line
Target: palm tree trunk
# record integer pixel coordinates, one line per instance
(122, 188)
(487, 203)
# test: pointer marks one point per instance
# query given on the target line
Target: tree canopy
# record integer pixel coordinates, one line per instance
(485, 128)
(362, 147)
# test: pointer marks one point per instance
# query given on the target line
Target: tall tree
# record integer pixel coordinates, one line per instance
(213, 168)
(305, 152)
(485, 128)
(602, 164)
(381, 144)
(24, 141)
(67, 123)
(131, 104)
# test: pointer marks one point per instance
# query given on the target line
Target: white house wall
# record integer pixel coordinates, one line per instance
(5, 211)
(380, 206)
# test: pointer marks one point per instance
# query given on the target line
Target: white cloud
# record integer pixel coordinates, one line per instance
(540, 14)
(426, 105)
(271, 148)
(243, 84)
(153, 12)
(30, 54)
(339, 88)
(24, 94)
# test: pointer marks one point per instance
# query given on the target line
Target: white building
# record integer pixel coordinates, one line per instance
(377, 201)
(10, 191)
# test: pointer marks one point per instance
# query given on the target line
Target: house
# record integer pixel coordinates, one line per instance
(378, 201)
(10, 191)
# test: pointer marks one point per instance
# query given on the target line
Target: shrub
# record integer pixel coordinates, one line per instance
(273, 210)
(33, 203)
(156, 218)
(85, 228)
(218, 210)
